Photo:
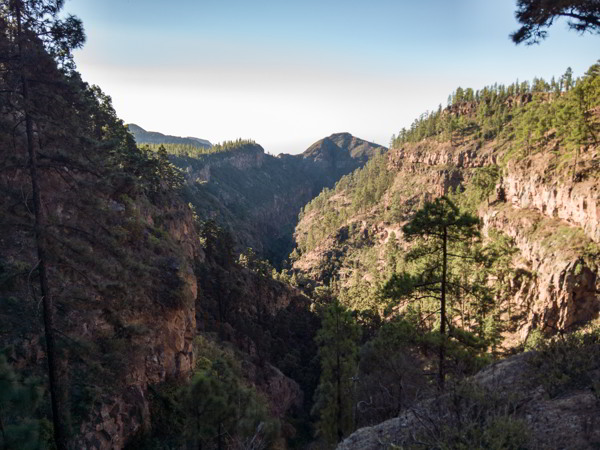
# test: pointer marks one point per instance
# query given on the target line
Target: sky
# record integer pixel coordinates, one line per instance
(288, 73)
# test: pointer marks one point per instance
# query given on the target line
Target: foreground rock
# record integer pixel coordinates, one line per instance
(569, 421)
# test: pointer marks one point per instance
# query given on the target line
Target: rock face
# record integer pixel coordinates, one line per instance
(571, 421)
(577, 203)
(220, 297)
(125, 306)
(558, 287)
(250, 156)
(552, 220)
(284, 394)
(423, 154)
(164, 352)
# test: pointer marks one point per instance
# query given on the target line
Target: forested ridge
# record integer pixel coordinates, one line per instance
(524, 118)
(449, 283)
(142, 136)
(524, 113)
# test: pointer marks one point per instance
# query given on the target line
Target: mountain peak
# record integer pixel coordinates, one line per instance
(343, 143)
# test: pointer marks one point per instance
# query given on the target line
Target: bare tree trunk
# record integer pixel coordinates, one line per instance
(441, 374)
(338, 375)
(220, 436)
(575, 164)
(58, 406)
(2, 432)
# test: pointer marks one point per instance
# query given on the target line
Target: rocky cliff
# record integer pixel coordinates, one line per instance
(551, 218)
(528, 187)
(559, 279)
(144, 343)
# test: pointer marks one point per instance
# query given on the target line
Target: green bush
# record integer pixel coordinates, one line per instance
(568, 362)
(19, 402)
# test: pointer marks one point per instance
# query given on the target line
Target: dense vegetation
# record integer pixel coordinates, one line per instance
(193, 151)
(361, 190)
(217, 408)
(103, 264)
(527, 115)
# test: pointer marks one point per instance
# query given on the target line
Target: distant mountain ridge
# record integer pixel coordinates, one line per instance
(154, 137)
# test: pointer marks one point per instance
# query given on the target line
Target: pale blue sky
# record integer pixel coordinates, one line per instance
(287, 73)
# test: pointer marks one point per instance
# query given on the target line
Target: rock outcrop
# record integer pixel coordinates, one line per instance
(557, 284)
(163, 351)
(571, 421)
(577, 203)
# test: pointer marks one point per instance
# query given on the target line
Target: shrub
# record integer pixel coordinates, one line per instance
(568, 362)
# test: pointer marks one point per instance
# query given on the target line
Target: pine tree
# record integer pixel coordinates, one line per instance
(28, 25)
(437, 226)
(391, 253)
(219, 411)
(484, 181)
(18, 401)
(535, 16)
(338, 352)
(70, 174)
(567, 79)
(209, 405)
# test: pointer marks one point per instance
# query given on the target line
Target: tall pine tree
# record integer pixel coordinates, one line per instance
(29, 30)
(338, 352)
(437, 226)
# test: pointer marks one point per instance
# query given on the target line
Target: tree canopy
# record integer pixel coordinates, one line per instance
(438, 225)
(537, 15)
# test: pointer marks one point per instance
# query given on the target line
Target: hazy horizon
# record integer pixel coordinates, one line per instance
(289, 74)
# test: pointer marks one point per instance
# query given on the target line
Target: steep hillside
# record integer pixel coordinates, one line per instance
(97, 283)
(142, 136)
(258, 196)
(122, 315)
(522, 166)
(263, 330)
(133, 315)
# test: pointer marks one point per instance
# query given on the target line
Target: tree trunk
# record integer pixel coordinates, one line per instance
(58, 405)
(340, 431)
(220, 437)
(575, 164)
(441, 374)
(2, 432)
